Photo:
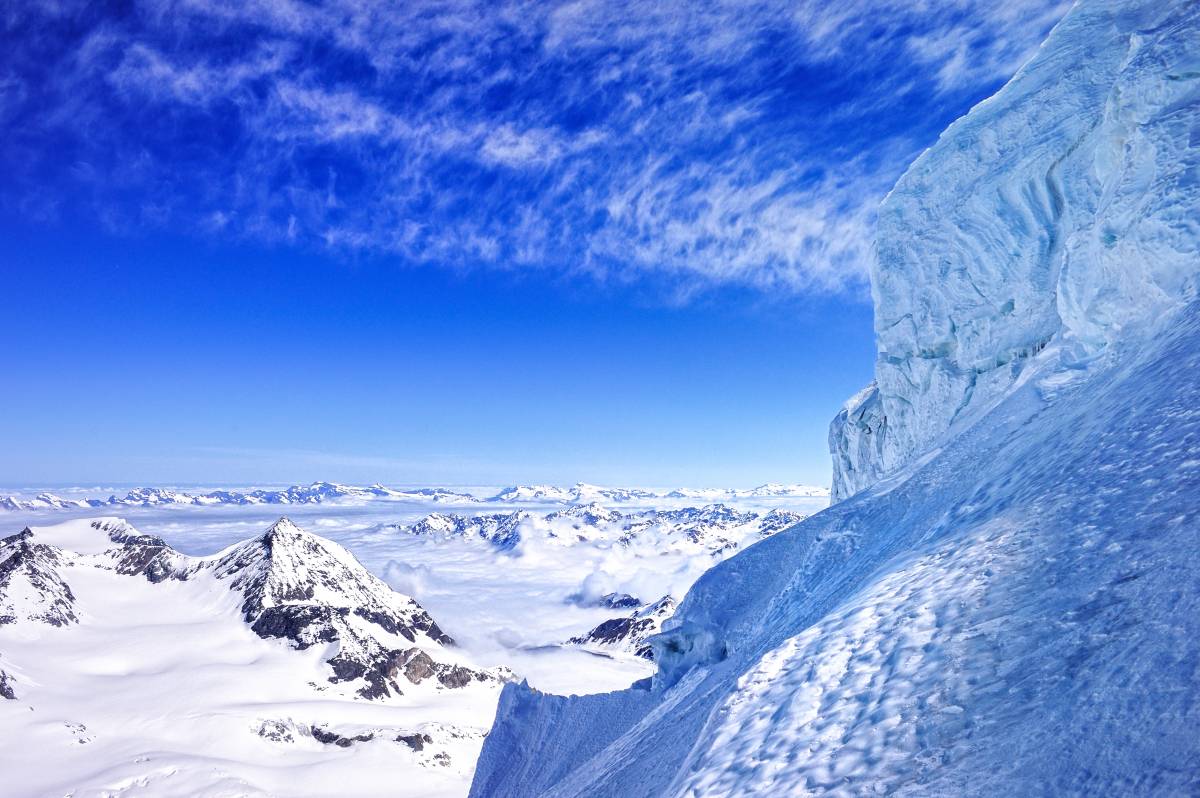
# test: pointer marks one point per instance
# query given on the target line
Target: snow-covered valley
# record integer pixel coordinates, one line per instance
(168, 672)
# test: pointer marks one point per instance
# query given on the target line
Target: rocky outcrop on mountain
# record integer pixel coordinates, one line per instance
(323, 735)
(31, 587)
(308, 590)
(136, 554)
(630, 632)
(416, 666)
(287, 731)
(6, 686)
(618, 601)
(429, 746)
(416, 741)
(777, 521)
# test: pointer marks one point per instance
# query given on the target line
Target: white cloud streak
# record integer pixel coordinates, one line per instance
(702, 144)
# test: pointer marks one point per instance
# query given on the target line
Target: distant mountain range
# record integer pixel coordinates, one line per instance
(712, 528)
(331, 492)
(631, 632)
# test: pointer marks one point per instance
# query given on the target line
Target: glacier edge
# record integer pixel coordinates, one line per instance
(1056, 214)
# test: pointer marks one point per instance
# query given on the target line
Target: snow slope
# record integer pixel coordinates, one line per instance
(1015, 608)
(243, 673)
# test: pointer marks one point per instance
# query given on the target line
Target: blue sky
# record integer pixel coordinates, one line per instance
(457, 242)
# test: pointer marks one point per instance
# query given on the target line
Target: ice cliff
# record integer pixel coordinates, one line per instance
(1007, 602)
(1057, 214)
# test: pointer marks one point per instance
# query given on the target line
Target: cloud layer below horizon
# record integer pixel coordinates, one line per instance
(695, 145)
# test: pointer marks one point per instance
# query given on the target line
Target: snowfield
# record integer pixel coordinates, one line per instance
(1007, 599)
(159, 680)
(163, 689)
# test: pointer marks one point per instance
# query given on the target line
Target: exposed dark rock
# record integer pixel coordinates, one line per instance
(36, 565)
(614, 630)
(309, 590)
(6, 687)
(142, 555)
(630, 633)
(341, 741)
(455, 676)
(303, 624)
(276, 731)
(619, 601)
(417, 665)
(415, 741)
(423, 622)
(152, 562)
(419, 622)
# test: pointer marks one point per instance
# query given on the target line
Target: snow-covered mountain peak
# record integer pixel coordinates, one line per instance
(713, 528)
(591, 513)
(287, 565)
(310, 590)
(284, 531)
(83, 536)
(631, 632)
(31, 584)
(529, 493)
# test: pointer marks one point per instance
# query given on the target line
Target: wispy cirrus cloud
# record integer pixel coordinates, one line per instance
(697, 144)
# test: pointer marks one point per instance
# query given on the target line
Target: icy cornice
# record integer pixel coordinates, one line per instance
(1057, 216)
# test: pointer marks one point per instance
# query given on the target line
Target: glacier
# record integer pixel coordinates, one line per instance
(1006, 597)
(1057, 215)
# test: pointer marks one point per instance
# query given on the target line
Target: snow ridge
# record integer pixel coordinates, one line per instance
(316, 493)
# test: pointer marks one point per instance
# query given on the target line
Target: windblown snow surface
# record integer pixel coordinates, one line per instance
(1009, 603)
